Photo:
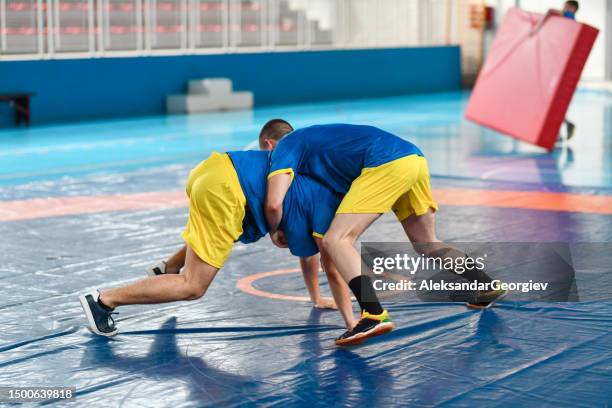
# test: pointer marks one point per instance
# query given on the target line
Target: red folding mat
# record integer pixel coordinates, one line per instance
(527, 82)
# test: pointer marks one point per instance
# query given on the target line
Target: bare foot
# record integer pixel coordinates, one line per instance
(325, 303)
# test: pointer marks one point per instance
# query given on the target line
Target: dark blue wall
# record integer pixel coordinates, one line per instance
(114, 87)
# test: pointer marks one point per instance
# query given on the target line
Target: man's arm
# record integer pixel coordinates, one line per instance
(278, 185)
(310, 270)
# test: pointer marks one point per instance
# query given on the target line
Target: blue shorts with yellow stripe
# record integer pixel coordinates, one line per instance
(308, 210)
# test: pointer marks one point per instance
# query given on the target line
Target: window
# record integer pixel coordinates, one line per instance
(209, 24)
(121, 25)
(21, 26)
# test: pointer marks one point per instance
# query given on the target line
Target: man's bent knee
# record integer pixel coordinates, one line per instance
(331, 241)
(192, 291)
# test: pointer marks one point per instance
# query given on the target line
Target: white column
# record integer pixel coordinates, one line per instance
(608, 42)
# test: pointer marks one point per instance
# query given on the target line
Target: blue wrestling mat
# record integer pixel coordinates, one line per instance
(267, 346)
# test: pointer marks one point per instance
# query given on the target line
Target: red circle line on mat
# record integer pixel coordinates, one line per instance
(246, 285)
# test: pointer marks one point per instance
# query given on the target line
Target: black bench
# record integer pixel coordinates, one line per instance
(21, 103)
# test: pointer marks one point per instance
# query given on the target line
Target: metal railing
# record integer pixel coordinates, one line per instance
(44, 29)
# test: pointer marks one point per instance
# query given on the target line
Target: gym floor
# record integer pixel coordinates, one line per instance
(91, 205)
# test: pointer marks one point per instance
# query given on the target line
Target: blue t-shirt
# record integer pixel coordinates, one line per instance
(334, 155)
(569, 14)
(252, 168)
(308, 207)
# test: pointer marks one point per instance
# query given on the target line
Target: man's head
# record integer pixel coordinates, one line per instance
(272, 132)
(571, 7)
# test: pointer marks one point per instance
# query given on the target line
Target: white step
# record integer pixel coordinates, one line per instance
(208, 103)
(240, 100)
(210, 86)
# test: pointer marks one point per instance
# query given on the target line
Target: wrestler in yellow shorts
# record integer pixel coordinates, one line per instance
(401, 185)
(216, 209)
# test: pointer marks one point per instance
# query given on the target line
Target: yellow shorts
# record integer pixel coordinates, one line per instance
(216, 209)
(401, 185)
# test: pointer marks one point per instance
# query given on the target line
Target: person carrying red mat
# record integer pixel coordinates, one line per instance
(570, 8)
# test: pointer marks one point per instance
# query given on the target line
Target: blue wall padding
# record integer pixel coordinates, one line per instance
(118, 87)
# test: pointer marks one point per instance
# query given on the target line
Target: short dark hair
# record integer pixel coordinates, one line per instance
(274, 129)
(573, 3)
